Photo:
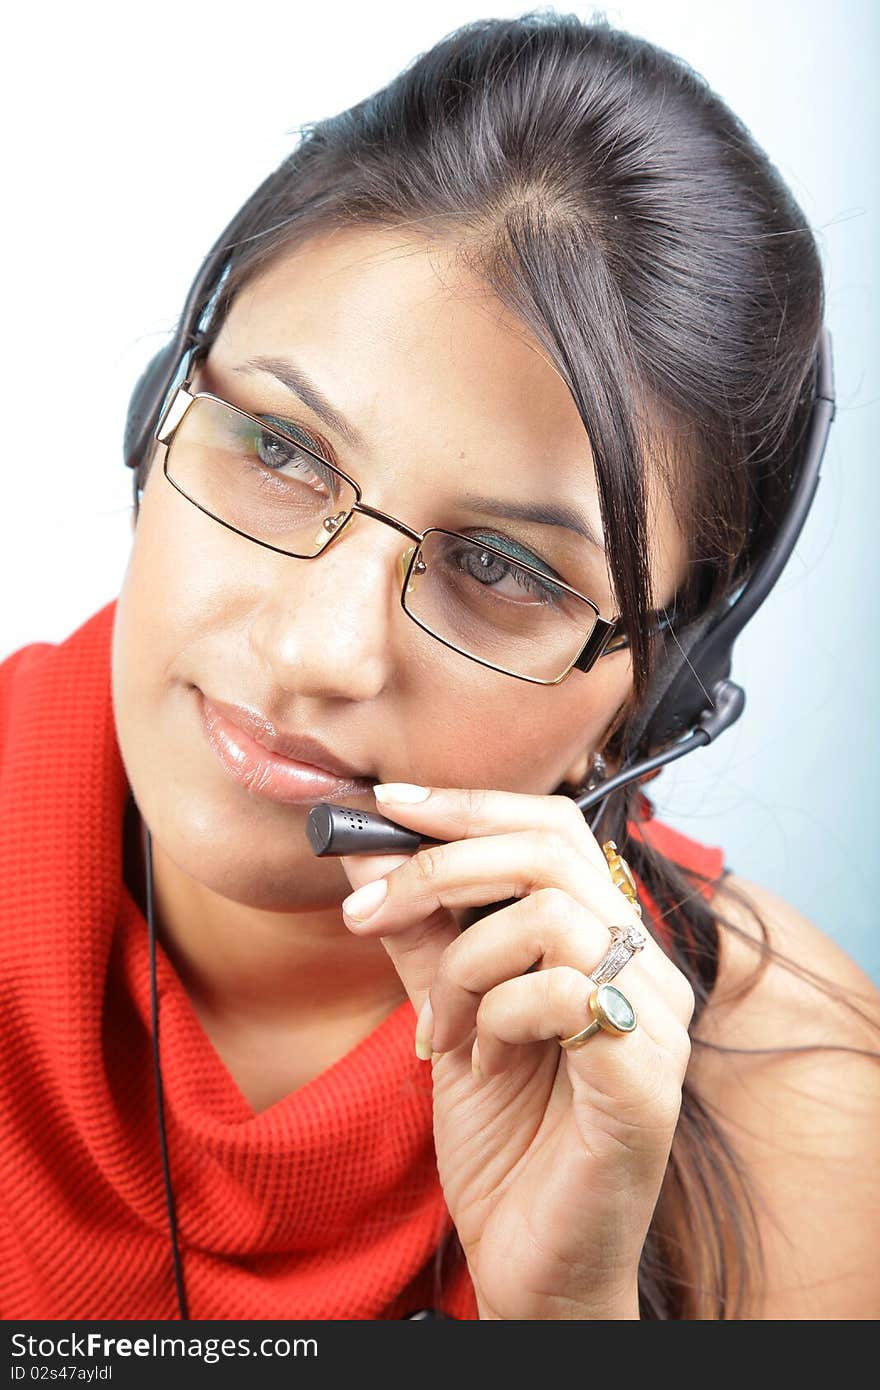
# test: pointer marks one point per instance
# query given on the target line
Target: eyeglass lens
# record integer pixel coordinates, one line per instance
(486, 605)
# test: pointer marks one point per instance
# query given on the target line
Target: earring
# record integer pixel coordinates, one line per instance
(597, 771)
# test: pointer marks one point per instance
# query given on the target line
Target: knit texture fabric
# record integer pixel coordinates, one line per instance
(326, 1205)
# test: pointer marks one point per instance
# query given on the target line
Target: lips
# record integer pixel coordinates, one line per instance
(299, 747)
(264, 771)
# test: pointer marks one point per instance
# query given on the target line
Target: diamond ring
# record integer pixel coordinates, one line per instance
(625, 942)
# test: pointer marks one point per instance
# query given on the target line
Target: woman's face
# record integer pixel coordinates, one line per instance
(450, 396)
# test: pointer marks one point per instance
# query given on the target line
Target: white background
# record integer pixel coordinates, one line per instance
(132, 134)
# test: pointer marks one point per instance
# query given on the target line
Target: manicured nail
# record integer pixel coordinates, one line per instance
(361, 905)
(475, 1060)
(425, 1031)
(400, 791)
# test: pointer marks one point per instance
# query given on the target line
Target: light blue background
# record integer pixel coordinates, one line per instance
(126, 156)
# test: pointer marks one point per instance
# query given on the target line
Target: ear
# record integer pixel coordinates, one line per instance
(576, 773)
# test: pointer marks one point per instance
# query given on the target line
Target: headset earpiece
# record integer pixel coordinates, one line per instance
(698, 661)
(680, 688)
(146, 399)
(155, 381)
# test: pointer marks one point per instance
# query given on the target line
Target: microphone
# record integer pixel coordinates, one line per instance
(334, 829)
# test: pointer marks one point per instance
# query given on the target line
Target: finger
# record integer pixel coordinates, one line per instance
(414, 918)
(464, 813)
(471, 873)
(545, 930)
(636, 1071)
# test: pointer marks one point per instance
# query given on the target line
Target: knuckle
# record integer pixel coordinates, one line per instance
(662, 1087)
(555, 847)
(475, 811)
(555, 906)
(685, 998)
(489, 1011)
(559, 927)
(427, 864)
(677, 1051)
(571, 819)
(456, 967)
(578, 833)
(671, 1099)
(570, 985)
(667, 1106)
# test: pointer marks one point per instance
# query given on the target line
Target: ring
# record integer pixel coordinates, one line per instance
(622, 874)
(610, 1010)
(625, 942)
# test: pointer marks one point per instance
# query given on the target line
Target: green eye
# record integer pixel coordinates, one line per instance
(515, 551)
(297, 432)
(490, 571)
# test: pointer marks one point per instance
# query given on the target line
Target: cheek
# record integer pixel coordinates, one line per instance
(165, 603)
(518, 737)
(180, 576)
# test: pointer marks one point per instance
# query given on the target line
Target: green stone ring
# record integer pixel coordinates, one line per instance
(610, 1010)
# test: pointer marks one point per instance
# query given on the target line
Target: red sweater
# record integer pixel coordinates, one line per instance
(326, 1205)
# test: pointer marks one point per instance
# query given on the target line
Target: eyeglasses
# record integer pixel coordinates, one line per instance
(470, 594)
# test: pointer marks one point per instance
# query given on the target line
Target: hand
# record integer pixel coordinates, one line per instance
(551, 1161)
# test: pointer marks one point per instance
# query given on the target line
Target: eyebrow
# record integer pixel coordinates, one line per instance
(547, 514)
(300, 384)
(296, 380)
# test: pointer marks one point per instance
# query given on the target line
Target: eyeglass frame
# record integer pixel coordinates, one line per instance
(605, 636)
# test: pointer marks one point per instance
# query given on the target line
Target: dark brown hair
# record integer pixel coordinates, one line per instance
(626, 216)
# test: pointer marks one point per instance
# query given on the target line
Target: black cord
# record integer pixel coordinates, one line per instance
(163, 1142)
(727, 701)
(633, 770)
(726, 711)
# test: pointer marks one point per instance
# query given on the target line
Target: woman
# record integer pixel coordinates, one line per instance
(542, 293)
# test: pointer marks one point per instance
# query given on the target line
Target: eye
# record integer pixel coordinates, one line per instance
(490, 570)
(276, 447)
(283, 457)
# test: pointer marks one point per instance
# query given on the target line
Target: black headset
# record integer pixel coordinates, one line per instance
(691, 698)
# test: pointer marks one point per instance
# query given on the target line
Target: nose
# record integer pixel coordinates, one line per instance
(332, 626)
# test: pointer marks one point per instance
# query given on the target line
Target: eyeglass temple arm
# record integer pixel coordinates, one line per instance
(178, 394)
(608, 636)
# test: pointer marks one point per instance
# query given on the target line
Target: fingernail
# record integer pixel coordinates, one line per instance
(400, 791)
(475, 1060)
(425, 1031)
(361, 905)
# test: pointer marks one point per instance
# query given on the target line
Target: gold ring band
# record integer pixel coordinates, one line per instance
(609, 1010)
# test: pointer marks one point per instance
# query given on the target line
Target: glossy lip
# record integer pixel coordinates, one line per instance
(265, 772)
(300, 747)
